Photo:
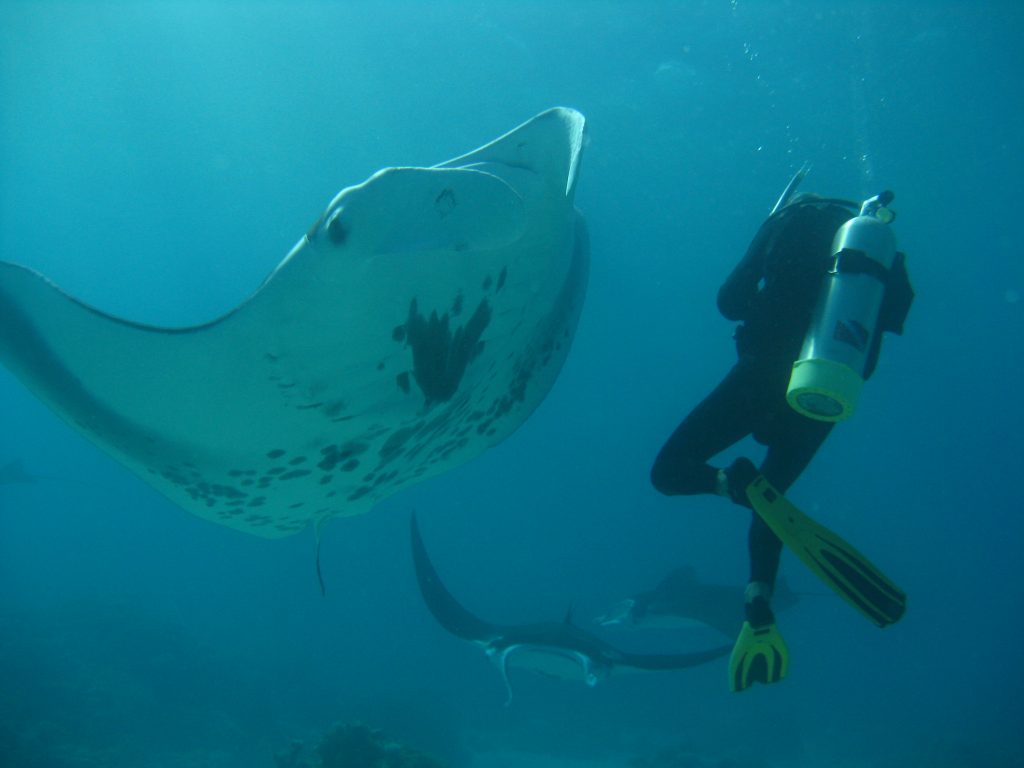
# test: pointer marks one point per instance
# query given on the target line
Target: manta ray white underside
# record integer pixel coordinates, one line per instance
(420, 321)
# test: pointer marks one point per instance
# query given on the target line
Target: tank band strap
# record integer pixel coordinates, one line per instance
(852, 261)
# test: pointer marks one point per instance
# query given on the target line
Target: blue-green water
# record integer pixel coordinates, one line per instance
(157, 160)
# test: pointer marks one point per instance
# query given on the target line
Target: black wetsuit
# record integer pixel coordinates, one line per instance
(773, 291)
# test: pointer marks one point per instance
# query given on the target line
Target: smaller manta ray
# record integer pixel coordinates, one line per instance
(557, 649)
(681, 600)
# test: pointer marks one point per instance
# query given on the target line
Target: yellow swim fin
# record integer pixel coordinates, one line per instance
(851, 575)
(759, 656)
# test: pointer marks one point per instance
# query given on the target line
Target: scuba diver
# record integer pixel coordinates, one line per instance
(819, 284)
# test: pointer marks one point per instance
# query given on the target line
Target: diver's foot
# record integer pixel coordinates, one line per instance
(760, 654)
(737, 476)
(757, 608)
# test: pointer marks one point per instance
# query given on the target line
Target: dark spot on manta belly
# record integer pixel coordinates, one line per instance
(396, 440)
(402, 380)
(359, 492)
(334, 408)
(276, 453)
(440, 356)
(333, 455)
(445, 202)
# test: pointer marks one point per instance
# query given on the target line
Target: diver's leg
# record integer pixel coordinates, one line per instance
(787, 457)
(718, 421)
(760, 653)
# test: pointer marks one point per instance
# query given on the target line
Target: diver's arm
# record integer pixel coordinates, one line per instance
(739, 292)
(899, 295)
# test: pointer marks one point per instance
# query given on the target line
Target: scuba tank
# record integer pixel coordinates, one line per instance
(826, 380)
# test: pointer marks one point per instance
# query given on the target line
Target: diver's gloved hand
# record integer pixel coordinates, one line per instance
(737, 476)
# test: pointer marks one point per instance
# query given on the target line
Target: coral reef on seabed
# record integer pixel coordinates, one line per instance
(353, 745)
(684, 756)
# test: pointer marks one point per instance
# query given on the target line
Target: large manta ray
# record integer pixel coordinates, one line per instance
(556, 649)
(418, 322)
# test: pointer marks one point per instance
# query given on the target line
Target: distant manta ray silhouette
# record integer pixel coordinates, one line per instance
(14, 473)
(680, 599)
(557, 649)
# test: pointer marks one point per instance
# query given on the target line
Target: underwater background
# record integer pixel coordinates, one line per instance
(157, 160)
